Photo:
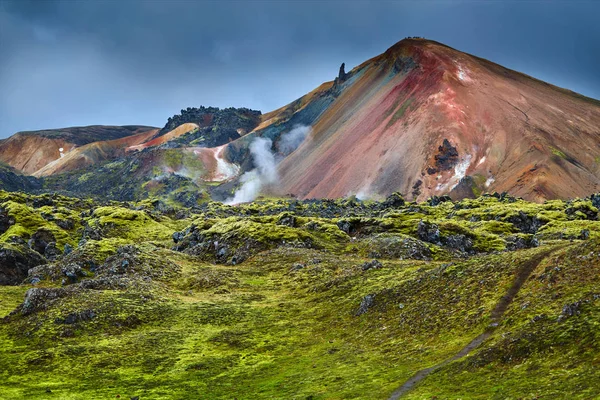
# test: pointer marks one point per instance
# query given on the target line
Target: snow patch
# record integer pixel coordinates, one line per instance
(462, 74)
(489, 181)
(481, 161)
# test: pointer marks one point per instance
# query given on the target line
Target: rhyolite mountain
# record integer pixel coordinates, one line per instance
(422, 119)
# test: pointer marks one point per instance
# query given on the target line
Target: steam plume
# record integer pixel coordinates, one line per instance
(266, 162)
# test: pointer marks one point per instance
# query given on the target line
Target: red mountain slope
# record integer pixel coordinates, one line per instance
(426, 119)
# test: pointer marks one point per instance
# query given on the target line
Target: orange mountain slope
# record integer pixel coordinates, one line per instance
(31, 151)
(93, 153)
(425, 119)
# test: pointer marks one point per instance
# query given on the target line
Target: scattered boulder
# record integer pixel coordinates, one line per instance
(367, 302)
(373, 264)
(67, 249)
(297, 267)
(570, 310)
(178, 237)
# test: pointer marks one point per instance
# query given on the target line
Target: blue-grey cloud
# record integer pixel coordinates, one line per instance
(66, 63)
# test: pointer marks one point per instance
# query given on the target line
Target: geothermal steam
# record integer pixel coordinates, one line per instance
(266, 162)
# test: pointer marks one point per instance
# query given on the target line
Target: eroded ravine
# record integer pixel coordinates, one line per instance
(496, 316)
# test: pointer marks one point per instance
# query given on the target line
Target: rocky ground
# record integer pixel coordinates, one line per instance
(312, 299)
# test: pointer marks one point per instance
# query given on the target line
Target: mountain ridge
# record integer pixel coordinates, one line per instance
(422, 118)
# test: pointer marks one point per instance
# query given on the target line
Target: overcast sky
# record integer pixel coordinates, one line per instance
(77, 62)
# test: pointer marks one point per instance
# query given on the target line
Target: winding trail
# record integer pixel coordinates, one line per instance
(496, 316)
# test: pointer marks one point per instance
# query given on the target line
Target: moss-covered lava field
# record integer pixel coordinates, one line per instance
(490, 298)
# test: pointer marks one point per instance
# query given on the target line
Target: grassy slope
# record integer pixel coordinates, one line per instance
(264, 330)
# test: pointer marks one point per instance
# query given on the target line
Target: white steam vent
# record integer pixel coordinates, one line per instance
(266, 162)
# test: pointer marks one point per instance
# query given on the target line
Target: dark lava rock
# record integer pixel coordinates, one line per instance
(297, 267)
(459, 242)
(525, 223)
(73, 318)
(595, 198)
(428, 232)
(287, 220)
(373, 264)
(66, 224)
(394, 200)
(178, 237)
(570, 310)
(416, 189)
(15, 262)
(17, 240)
(51, 252)
(42, 201)
(6, 221)
(520, 242)
(67, 249)
(122, 262)
(40, 240)
(437, 200)
(366, 303)
(37, 299)
(588, 212)
(353, 226)
(72, 271)
(446, 158)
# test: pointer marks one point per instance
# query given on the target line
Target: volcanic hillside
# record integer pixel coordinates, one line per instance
(31, 151)
(425, 119)
(421, 118)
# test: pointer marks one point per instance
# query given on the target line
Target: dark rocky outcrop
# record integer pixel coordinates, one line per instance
(230, 118)
(6, 221)
(11, 181)
(15, 262)
(525, 223)
(428, 232)
(40, 240)
(446, 158)
(342, 73)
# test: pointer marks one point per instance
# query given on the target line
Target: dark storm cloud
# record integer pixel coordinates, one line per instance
(123, 62)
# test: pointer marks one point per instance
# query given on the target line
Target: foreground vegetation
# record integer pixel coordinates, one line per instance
(298, 299)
